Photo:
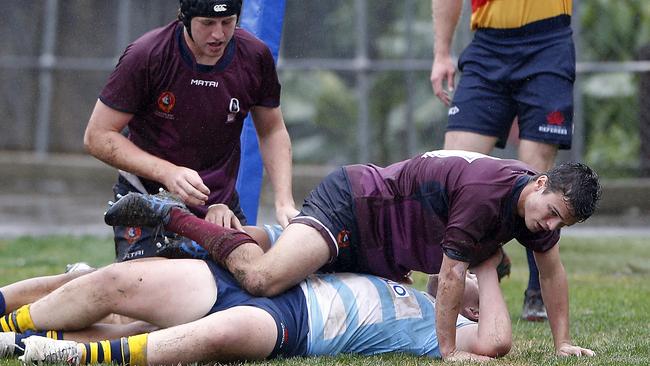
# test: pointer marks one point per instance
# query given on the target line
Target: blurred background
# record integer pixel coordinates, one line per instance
(355, 88)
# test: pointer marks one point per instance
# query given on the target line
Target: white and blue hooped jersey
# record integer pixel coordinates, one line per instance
(363, 314)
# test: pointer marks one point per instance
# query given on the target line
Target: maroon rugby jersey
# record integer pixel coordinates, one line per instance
(453, 201)
(190, 114)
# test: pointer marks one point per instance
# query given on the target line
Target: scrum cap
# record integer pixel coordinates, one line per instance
(207, 8)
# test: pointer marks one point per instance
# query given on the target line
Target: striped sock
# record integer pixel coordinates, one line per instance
(18, 321)
(130, 351)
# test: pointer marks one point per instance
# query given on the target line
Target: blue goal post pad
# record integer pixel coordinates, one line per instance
(264, 19)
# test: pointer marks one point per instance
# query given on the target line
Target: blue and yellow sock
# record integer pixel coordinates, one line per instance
(130, 351)
(18, 321)
(3, 304)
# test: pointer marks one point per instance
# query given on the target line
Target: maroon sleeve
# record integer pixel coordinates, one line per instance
(270, 89)
(127, 89)
(472, 217)
(539, 242)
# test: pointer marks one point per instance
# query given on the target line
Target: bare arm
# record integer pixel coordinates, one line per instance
(275, 147)
(555, 291)
(445, 14)
(492, 337)
(103, 140)
(451, 283)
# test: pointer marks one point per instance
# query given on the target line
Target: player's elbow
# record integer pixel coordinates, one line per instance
(497, 346)
(90, 139)
(260, 283)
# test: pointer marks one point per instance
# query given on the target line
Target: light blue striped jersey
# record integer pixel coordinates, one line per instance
(363, 314)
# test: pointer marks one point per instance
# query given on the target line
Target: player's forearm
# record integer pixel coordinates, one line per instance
(276, 154)
(448, 302)
(445, 15)
(555, 291)
(119, 152)
(494, 326)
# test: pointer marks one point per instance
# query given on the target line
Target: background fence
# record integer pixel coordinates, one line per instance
(355, 76)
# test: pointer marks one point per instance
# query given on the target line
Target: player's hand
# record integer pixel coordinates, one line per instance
(285, 213)
(443, 71)
(567, 349)
(465, 356)
(222, 215)
(188, 185)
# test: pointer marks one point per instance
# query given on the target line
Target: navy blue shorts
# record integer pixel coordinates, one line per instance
(289, 311)
(527, 73)
(143, 242)
(329, 208)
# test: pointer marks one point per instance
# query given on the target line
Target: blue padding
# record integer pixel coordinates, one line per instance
(264, 19)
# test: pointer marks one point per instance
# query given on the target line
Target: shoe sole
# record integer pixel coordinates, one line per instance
(136, 210)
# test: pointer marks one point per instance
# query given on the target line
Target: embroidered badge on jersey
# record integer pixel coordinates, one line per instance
(166, 101)
(233, 108)
(343, 239)
(132, 234)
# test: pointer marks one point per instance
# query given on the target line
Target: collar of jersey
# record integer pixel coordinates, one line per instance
(511, 207)
(188, 58)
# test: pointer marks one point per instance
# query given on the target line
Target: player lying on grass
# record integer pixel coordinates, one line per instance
(16, 294)
(207, 317)
(439, 212)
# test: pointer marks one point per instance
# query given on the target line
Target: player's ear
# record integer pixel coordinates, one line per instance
(540, 182)
(470, 312)
(432, 285)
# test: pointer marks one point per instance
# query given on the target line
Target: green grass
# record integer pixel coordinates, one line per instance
(609, 281)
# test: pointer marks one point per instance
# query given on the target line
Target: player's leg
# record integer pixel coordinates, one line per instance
(546, 109)
(186, 288)
(469, 141)
(27, 291)
(239, 333)
(300, 251)
(482, 111)
(307, 244)
(259, 273)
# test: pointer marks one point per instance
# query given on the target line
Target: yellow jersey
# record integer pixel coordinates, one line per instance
(505, 14)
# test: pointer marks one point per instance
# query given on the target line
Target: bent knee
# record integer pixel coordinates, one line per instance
(110, 277)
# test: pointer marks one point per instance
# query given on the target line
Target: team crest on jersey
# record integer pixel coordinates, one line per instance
(166, 101)
(343, 239)
(233, 108)
(398, 289)
(132, 234)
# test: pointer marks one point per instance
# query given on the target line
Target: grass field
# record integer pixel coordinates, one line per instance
(609, 282)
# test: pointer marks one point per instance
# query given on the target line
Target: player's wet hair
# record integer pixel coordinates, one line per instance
(579, 186)
(207, 8)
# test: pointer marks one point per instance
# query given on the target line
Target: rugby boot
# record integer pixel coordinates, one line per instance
(40, 350)
(7, 344)
(78, 267)
(180, 247)
(534, 309)
(137, 209)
